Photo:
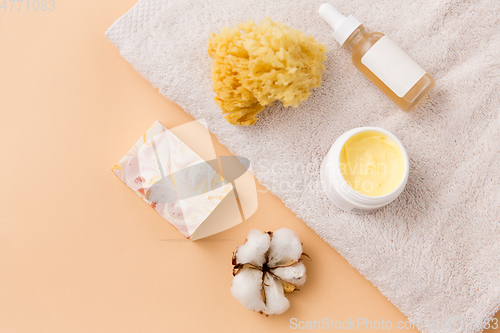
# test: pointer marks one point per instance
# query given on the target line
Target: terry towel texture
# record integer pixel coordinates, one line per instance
(435, 251)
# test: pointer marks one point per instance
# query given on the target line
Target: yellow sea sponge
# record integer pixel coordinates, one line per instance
(257, 64)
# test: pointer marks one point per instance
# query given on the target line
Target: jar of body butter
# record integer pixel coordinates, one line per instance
(365, 169)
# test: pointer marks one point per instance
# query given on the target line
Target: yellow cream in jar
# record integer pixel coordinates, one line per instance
(372, 163)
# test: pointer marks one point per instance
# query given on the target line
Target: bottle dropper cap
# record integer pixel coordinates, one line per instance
(343, 26)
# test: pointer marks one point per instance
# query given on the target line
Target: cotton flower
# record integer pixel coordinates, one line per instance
(246, 288)
(255, 248)
(285, 247)
(267, 267)
(295, 274)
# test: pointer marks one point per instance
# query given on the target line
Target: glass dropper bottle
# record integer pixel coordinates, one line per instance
(378, 58)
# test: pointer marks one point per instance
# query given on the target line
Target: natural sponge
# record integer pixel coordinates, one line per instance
(256, 64)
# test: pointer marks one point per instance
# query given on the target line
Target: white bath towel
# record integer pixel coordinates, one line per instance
(435, 251)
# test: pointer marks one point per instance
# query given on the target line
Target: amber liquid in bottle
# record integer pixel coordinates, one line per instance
(359, 43)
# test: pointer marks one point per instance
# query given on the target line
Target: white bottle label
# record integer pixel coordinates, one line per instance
(392, 66)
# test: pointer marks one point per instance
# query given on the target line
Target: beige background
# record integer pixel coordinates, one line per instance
(79, 251)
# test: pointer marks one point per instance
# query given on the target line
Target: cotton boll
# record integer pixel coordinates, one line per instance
(285, 247)
(276, 302)
(246, 288)
(266, 268)
(295, 274)
(255, 248)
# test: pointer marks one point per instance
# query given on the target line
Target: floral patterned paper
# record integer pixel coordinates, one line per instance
(172, 179)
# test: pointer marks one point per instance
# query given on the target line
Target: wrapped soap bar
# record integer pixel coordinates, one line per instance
(175, 181)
